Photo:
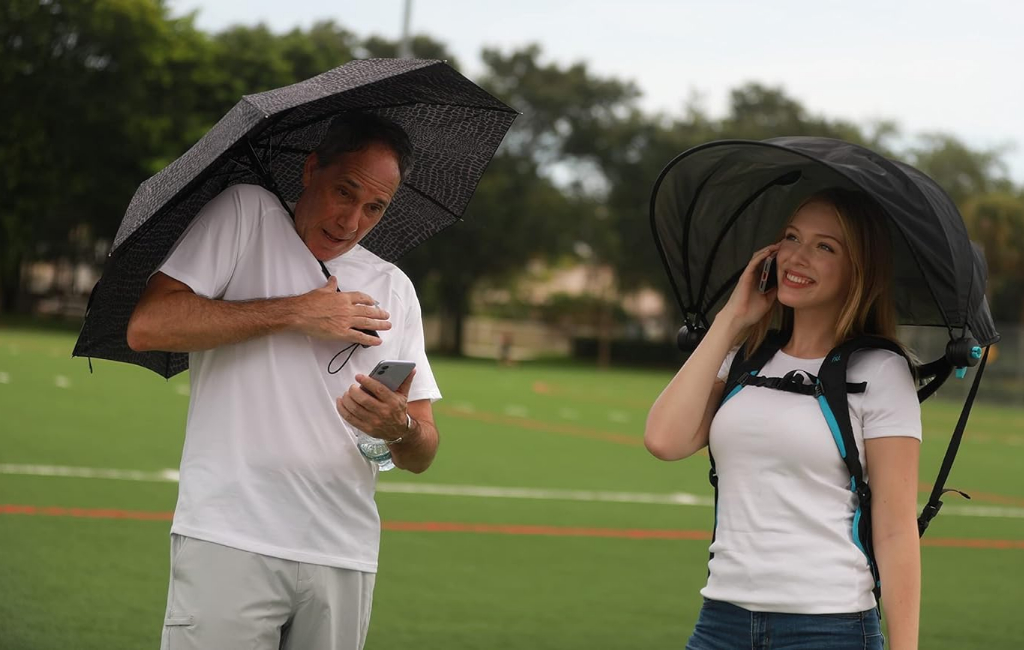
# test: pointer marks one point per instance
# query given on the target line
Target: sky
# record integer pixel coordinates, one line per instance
(941, 66)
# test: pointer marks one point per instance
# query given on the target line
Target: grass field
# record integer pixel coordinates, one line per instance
(84, 560)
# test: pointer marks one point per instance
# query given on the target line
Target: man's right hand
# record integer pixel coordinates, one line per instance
(327, 313)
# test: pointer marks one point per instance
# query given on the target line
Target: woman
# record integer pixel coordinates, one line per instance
(784, 563)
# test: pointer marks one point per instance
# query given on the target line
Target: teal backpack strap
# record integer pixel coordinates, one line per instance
(741, 369)
(831, 393)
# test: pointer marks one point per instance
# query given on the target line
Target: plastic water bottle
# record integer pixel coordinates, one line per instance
(376, 450)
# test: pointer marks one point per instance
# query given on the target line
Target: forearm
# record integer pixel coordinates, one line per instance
(899, 564)
(418, 448)
(184, 322)
(676, 418)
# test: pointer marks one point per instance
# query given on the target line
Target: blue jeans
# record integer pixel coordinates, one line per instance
(722, 626)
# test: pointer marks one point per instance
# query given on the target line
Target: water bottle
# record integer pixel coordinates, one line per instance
(376, 450)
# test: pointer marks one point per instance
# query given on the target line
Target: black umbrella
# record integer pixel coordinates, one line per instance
(455, 128)
(716, 204)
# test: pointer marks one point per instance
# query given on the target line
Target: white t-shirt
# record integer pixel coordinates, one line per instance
(269, 466)
(784, 540)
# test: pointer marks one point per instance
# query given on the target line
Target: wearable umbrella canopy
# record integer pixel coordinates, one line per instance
(716, 204)
(454, 125)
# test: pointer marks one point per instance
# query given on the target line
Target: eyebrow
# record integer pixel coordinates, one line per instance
(817, 234)
(351, 182)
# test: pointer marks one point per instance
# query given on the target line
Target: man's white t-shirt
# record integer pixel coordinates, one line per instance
(269, 466)
(784, 534)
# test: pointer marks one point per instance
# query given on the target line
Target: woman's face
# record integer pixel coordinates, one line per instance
(815, 268)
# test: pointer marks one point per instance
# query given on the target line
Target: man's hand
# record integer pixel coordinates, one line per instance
(329, 314)
(374, 408)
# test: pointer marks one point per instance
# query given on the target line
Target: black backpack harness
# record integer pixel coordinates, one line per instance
(830, 389)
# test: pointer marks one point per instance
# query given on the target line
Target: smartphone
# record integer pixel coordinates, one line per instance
(372, 333)
(392, 373)
(769, 275)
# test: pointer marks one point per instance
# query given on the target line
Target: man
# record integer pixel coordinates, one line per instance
(275, 535)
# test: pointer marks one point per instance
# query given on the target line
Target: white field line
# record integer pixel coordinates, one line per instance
(163, 475)
(593, 496)
(678, 499)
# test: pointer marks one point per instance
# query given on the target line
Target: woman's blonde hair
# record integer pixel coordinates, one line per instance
(869, 307)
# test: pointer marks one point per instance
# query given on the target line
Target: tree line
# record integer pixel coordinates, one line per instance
(98, 95)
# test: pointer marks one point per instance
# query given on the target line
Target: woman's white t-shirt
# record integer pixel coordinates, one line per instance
(784, 539)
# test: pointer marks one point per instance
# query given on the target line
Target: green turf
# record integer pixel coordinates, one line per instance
(101, 583)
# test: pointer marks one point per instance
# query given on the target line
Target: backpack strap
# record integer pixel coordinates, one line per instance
(743, 369)
(793, 382)
(832, 398)
(740, 372)
(938, 489)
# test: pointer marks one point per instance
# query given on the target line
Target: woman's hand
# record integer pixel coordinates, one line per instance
(747, 305)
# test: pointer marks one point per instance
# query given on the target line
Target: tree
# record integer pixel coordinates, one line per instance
(519, 211)
(421, 46)
(961, 171)
(996, 223)
(325, 46)
(515, 214)
(97, 94)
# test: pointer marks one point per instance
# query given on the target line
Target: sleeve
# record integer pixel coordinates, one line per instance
(723, 372)
(890, 406)
(413, 348)
(206, 254)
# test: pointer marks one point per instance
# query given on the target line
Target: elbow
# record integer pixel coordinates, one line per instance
(659, 448)
(139, 337)
(414, 467)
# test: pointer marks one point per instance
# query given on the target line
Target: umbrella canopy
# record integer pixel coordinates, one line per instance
(716, 204)
(454, 125)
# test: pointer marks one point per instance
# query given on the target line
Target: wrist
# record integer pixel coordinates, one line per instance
(409, 426)
(727, 327)
(292, 315)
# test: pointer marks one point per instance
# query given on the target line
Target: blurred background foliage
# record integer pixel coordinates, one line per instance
(98, 95)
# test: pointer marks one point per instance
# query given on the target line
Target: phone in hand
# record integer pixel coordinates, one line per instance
(392, 373)
(769, 275)
(372, 333)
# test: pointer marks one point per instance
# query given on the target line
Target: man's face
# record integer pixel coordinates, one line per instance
(342, 202)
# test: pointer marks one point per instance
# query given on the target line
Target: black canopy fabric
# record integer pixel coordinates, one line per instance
(716, 204)
(455, 128)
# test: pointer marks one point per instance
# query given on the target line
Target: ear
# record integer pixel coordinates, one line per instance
(307, 170)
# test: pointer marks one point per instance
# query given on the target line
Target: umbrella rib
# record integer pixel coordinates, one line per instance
(657, 239)
(687, 222)
(728, 225)
(725, 287)
(434, 201)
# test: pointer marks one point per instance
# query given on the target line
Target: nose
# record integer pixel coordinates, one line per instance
(348, 220)
(798, 256)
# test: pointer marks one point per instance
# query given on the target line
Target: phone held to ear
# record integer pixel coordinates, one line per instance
(769, 275)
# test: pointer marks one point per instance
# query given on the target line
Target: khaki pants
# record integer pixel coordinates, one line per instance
(221, 598)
